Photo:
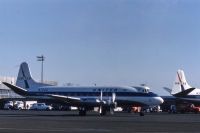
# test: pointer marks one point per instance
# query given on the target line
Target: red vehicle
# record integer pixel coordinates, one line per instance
(184, 108)
(194, 109)
(135, 109)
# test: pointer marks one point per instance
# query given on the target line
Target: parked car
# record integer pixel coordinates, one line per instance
(8, 105)
(40, 106)
(19, 105)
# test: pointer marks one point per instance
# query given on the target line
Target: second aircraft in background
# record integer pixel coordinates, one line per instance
(183, 91)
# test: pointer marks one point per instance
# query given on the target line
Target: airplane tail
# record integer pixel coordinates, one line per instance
(25, 80)
(180, 84)
(16, 89)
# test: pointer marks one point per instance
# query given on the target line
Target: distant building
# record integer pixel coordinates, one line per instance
(54, 83)
(70, 84)
(5, 92)
(11, 80)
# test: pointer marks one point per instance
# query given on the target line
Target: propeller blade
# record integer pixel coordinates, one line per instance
(100, 109)
(101, 96)
(113, 97)
(111, 110)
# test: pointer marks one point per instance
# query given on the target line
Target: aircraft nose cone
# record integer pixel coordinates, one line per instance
(160, 100)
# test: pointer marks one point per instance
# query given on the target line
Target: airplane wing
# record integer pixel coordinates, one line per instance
(65, 98)
(184, 93)
(16, 89)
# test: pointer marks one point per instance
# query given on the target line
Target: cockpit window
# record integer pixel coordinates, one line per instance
(146, 91)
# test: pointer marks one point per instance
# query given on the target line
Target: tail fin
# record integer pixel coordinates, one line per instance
(180, 83)
(25, 80)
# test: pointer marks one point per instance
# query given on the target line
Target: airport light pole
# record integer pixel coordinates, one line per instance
(41, 58)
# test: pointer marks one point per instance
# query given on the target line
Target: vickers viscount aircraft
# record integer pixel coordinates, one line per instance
(85, 98)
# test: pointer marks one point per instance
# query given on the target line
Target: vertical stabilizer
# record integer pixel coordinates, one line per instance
(25, 80)
(180, 83)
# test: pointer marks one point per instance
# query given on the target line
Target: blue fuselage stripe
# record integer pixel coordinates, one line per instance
(124, 94)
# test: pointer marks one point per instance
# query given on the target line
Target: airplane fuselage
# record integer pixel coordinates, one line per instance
(124, 95)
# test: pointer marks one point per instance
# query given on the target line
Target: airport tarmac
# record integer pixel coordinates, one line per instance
(70, 122)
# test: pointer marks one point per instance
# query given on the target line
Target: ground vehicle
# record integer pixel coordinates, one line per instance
(40, 106)
(14, 105)
(19, 105)
(135, 109)
(8, 105)
(118, 109)
(195, 109)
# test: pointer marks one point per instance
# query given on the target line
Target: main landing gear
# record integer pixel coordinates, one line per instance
(82, 111)
(103, 112)
(142, 113)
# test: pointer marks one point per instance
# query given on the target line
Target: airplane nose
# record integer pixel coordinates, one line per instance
(160, 100)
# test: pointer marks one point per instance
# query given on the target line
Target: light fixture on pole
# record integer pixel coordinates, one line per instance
(41, 58)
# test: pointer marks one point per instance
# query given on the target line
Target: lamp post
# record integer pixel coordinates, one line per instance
(41, 58)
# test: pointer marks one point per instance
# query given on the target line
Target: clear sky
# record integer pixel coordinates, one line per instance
(107, 42)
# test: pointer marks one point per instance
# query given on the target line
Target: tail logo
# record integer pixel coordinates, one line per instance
(182, 83)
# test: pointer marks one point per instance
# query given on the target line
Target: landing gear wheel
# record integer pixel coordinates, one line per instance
(82, 111)
(141, 113)
(103, 112)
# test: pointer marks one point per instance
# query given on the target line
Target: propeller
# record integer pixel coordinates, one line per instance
(113, 97)
(101, 102)
(112, 103)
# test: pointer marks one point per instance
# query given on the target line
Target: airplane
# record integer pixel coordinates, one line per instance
(182, 90)
(83, 97)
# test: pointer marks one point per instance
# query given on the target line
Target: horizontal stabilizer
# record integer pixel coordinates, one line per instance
(167, 89)
(16, 89)
(184, 93)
